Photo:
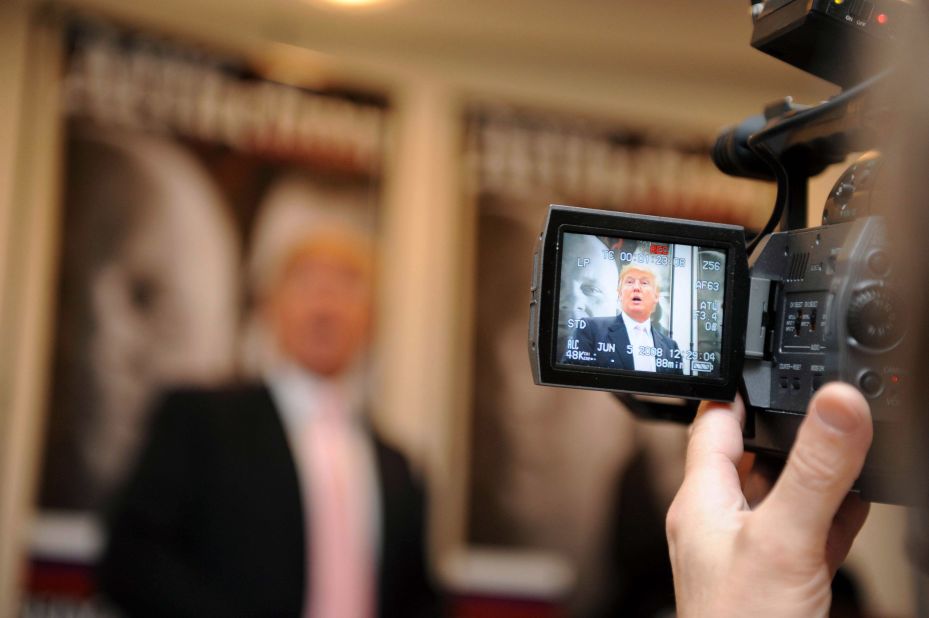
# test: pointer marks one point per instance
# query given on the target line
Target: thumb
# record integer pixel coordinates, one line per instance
(825, 460)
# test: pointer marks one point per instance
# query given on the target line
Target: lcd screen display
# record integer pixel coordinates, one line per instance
(640, 306)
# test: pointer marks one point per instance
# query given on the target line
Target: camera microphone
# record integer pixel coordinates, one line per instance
(732, 155)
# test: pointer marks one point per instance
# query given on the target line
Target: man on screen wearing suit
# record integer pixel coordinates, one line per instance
(276, 498)
(629, 340)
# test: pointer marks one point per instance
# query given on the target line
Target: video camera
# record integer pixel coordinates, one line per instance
(696, 311)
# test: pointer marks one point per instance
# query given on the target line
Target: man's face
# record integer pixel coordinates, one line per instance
(638, 294)
(587, 292)
(321, 311)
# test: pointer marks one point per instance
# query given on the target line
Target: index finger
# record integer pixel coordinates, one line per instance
(715, 445)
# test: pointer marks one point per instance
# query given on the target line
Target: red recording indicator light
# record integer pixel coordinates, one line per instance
(881, 18)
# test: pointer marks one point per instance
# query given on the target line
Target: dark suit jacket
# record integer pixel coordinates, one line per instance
(612, 332)
(211, 523)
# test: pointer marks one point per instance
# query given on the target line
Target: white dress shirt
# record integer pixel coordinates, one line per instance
(640, 336)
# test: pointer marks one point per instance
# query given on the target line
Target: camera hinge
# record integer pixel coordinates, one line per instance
(759, 314)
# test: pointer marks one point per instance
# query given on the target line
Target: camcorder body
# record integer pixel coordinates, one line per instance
(647, 306)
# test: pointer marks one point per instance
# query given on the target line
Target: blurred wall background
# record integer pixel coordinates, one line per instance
(674, 68)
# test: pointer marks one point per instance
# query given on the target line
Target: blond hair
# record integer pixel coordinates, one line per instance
(348, 245)
(645, 268)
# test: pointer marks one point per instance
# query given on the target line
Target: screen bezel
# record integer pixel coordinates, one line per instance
(727, 238)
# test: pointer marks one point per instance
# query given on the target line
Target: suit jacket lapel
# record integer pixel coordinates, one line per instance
(617, 335)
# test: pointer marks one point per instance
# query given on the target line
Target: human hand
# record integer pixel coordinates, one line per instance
(776, 559)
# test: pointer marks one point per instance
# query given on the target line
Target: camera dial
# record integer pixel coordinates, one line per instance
(875, 318)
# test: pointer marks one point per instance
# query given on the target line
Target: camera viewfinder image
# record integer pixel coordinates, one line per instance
(640, 306)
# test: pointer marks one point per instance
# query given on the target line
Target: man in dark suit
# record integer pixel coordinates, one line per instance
(276, 499)
(628, 341)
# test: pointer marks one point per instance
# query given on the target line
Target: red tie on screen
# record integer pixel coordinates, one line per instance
(340, 576)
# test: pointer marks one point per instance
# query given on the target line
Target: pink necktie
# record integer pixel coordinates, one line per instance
(340, 565)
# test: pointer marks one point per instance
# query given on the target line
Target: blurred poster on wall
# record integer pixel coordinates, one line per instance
(184, 172)
(564, 470)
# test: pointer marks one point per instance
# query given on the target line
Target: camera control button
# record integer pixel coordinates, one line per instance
(879, 262)
(535, 272)
(871, 384)
(817, 381)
